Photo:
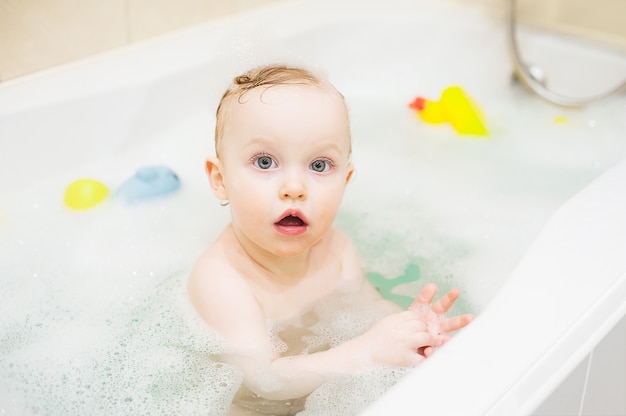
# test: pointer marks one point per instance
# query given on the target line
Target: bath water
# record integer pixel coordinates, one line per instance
(94, 316)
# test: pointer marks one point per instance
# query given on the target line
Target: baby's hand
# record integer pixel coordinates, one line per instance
(397, 340)
(433, 315)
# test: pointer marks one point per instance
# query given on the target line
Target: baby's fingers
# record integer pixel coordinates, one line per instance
(455, 323)
(428, 351)
(420, 340)
(426, 295)
(442, 305)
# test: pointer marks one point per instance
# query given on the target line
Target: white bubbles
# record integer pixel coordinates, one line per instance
(349, 395)
(93, 314)
(94, 317)
(140, 358)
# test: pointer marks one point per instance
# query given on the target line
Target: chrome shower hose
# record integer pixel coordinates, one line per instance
(523, 73)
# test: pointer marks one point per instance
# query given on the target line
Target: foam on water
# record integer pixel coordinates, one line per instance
(94, 316)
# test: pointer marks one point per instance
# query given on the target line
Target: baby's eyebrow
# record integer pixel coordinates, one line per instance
(260, 139)
(333, 149)
(329, 143)
(257, 140)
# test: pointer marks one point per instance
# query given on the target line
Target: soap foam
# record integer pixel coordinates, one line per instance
(96, 318)
(351, 394)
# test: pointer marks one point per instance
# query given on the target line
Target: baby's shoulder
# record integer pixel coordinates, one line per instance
(224, 300)
(213, 270)
(216, 289)
(349, 261)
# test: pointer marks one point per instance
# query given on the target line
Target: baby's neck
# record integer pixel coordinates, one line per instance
(285, 286)
(286, 271)
(282, 271)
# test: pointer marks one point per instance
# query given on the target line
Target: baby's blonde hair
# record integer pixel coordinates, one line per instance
(265, 76)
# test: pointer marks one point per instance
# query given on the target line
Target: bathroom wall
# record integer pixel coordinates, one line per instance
(38, 34)
(602, 20)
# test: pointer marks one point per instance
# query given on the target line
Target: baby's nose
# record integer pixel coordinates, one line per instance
(293, 188)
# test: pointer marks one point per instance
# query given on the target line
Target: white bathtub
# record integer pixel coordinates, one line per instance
(533, 218)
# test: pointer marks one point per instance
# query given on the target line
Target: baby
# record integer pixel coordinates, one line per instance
(282, 164)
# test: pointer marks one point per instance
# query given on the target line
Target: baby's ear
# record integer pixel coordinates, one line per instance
(213, 169)
(351, 171)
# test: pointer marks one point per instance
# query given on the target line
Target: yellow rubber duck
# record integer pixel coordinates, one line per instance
(455, 107)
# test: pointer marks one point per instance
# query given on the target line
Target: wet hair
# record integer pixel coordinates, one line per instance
(265, 76)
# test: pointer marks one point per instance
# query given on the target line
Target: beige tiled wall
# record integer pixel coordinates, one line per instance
(148, 18)
(599, 20)
(37, 34)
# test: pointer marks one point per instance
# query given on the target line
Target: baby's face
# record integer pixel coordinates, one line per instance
(285, 157)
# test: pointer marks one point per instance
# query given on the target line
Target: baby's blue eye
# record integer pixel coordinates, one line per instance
(320, 165)
(264, 162)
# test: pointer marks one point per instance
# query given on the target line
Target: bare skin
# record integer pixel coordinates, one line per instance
(284, 165)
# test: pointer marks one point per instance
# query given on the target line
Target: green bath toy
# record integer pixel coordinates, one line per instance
(385, 286)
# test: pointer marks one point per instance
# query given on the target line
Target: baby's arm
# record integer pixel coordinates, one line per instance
(229, 307)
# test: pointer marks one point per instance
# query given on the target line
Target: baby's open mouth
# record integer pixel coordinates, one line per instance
(291, 221)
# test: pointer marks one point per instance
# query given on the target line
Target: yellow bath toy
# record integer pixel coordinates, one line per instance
(455, 107)
(85, 194)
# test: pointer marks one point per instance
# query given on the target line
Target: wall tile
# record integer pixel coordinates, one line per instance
(537, 9)
(606, 15)
(601, 20)
(153, 17)
(40, 34)
(36, 34)
(246, 4)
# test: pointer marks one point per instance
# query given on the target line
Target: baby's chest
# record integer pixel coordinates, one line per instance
(285, 303)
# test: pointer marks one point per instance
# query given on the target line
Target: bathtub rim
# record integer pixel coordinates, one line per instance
(47, 78)
(544, 368)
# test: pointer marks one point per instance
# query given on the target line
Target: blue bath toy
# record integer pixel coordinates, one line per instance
(149, 182)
